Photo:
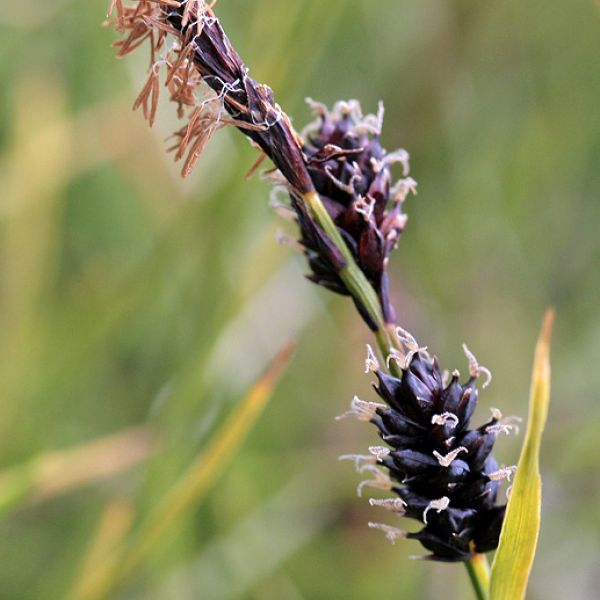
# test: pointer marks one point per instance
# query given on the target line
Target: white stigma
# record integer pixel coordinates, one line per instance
(504, 473)
(397, 356)
(506, 425)
(475, 369)
(396, 505)
(361, 410)
(379, 452)
(371, 362)
(446, 417)
(380, 480)
(359, 460)
(391, 533)
(365, 207)
(402, 188)
(438, 505)
(406, 338)
(446, 461)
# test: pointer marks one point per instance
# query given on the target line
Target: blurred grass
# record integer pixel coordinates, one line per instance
(99, 580)
(129, 297)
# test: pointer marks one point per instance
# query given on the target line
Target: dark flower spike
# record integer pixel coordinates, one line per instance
(352, 174)
(341, 159)
(442, 472)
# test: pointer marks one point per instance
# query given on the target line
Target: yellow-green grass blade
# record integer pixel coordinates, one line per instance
(113, 526)
(518, 540)
(187, 492)
(52, 474)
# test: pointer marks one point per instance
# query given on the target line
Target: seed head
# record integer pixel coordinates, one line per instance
(353, 175)
(441, 470)
(340, 155)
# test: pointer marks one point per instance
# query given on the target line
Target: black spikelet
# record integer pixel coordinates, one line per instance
(443, 473)
(351, 171)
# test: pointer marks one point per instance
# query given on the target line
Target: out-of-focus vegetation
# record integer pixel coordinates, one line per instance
(137, 305)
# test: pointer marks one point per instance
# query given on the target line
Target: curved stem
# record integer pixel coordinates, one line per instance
(353, 277)
(479, 573)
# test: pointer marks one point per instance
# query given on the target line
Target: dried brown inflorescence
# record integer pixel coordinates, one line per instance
(208, 80)
(342, 159)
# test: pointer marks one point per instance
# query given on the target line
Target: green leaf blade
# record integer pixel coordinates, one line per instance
(518, 540)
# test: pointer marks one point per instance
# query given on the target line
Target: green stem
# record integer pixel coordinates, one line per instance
(360, 288)
(352, 276)
(479, 573)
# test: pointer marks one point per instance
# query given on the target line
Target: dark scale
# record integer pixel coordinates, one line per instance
(352, 174)
(442, 471)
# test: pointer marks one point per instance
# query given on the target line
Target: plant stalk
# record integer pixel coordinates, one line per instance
(478, 569)
(360, 288)
(354, 278)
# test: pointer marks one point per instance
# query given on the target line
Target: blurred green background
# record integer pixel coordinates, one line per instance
(129, 297)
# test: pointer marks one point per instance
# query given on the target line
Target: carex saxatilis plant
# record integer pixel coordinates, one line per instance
(341, 192)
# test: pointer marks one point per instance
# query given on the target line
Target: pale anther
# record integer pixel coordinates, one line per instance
(496, 413)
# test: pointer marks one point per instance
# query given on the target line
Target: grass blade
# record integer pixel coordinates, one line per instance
(518, 540)
(189, 489)
(52, 474)
(114, 524)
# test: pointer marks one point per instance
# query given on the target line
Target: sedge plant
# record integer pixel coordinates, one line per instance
(432, 464)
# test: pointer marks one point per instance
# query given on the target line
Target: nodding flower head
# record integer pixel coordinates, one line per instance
(442, 471)
(352, 174)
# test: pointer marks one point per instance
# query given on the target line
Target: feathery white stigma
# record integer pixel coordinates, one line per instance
(438, 505)
(446, 417)
(359, 460)
(475, 369)
(446, 461)
(361, 410)
(379, 452)
(504, 473)
(391, 533)
(396, 505)
(380, 480)
(371, 362)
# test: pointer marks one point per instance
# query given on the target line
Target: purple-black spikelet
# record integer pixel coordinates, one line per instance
(442, 472)
(340, 158)
(351, 171)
